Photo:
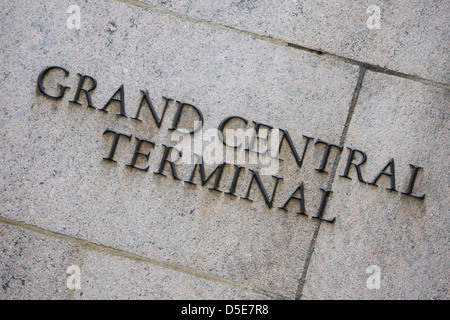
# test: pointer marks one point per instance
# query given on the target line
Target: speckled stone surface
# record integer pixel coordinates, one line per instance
(413, 37)
(56, 187)
(405, 237)
(53, 173)
(105, 276)
(33, 266)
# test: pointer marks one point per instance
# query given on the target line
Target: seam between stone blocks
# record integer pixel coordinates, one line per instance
(367, 66)
(90, 246)
(331, 179)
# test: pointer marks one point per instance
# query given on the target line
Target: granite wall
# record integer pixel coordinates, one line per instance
(95, 95)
